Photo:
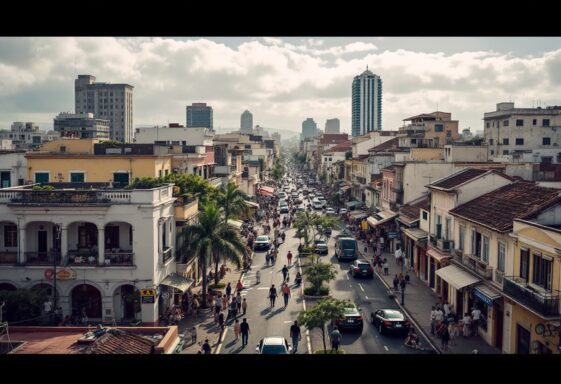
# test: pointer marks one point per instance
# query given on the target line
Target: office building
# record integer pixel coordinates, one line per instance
(199, 115)
(366, 103)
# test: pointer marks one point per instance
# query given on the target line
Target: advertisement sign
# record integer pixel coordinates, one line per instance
(393, 235)
(148, 296)
(61, 274)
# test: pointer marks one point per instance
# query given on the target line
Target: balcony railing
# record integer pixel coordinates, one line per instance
(83, 257)
(499, 277)
(543, 303)
(42, 258)
(474, 264)
(167, 254)
(8, 257)
(58, 197)
(119, 258)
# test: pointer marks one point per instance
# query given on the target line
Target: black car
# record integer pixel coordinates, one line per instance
(390, 320)
(351, 320)
(361, 268)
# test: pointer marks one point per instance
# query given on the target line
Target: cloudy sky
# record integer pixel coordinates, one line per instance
(282, 81)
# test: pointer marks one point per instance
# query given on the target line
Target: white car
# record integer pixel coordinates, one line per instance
(273, 346)
(282, 195)
(342, 211)
(284, 209)
(329, 211)
(262, 242)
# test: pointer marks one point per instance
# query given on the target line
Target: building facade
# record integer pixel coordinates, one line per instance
(113, 102)
(366, 103)
(83, 126)
(332, 126)
(246, 122)
(199, 115)
(429, 130)
(309, 128)
(27, 135)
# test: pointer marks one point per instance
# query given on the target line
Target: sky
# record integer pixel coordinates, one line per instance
(281, 80)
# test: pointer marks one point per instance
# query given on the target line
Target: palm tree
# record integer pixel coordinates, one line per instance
(211, 239)
(232, 201)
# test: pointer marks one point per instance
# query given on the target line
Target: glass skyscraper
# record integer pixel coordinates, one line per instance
(199, 115)
(366, 103)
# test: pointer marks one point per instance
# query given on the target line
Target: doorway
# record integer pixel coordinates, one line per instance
(523, 340)
(42, 244)
(499, 325)
(432, 272)
(460, 303)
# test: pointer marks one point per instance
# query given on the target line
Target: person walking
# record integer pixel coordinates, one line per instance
(244, 307)
(386, 267)
(284, 273)
(206, 348)
(444, 335)
(273, 295)
(239, 300)
(432, 320)
(258, 277)
(466, 325)
(244, 329)
(395, 283)
(224, 301)
(295, 335)
(237, 329)
(285, 293)
(229, 290)
(289, 257)
(475, 316)
(335, 339)
(402, 284)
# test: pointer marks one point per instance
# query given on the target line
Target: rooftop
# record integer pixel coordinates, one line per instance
(412, 210)
(341, 147)
(497, 209)
(458, 178)
(391, 143)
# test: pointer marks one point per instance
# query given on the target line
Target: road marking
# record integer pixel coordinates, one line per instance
(287, 321)
(260, 288)
(362, 289)
(366, 297)
(386, 348)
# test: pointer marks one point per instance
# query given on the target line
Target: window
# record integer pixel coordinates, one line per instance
(439, 127)
(505, 123)
(501, 257)
(462, 237)
(63, 148)
(447, 229)
(545, 122)
(524, 263)
(505, 141)
(41, 177)
(5, 179)
(438, 226)
(77, 177)
(121, 178)
(519, 123)
(505, 152)
(10, 236)
(425, 215)
(542, 271)
(546, 141)
(491, 141)
(547, 160)
(519, 141)
(485, 249)
(492, 152)
(535, 122)
(488, 125)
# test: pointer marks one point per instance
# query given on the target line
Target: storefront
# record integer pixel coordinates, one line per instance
(414, 244)
(170, 291)
(456, 284)
(437, 260)
(490, 302)
(383, 224)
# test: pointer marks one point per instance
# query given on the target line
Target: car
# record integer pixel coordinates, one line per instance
(352, 319)
(295, 194)
(342, 211)
(329, 211)
(361, 268)
(300, 208)
(282, 195)
(298, 201)
(316, 204)
(346, 248)
(390, 320)
(282, 202)
(284, 209)
(320, 247)
(273, 346)
(262, 242)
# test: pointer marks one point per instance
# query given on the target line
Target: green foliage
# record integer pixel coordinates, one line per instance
(319, 273)
(477, 141)
(348, 155)
(217, 286)
(232, 201)
(310, 291)
(23, 304)
(42, 188)
(145, 183)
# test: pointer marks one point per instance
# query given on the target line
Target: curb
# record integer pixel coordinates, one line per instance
(421, 331)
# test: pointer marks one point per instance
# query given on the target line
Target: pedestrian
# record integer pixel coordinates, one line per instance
(272, 295)
(285, 293)
(444, 336)
(239, 285)
(432, 320)
(453, 331)
(398, 255)
(217, 306)
(244, 329)
(407, 278)
(289, 257)
(221, 320)
(446, 308)
(295, 335)
(237, 329)
(466, 325)
(244, 306)
(258, 277)
(380, 263)
(402, 285)
(228, 290)
(386, 267)
(195, 306)
(206, 348)
(284, 273)
(224, 301)
(239, 300)
(395, 282)
(475, 315)
(335, 339)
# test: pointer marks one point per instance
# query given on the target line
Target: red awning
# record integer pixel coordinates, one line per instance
(267, 191)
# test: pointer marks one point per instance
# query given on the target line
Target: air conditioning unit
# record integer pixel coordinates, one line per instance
(444, 245)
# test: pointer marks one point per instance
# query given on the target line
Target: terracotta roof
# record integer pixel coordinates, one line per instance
(361, 157)
(390, 168)
(452, 181)
(413, 210)
(391, 143)
(119, 342)
(332, 138)
(497, 209)
(341, 147)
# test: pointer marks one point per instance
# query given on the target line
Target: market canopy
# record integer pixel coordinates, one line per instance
(177, 281)
(235, 223)
(352, 204)
(359, 215)
(267, 191)
(456, 277)
(252, 204)
(381, 217)
(345, 188)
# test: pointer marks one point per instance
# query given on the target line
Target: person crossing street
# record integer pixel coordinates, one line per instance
(295, 335)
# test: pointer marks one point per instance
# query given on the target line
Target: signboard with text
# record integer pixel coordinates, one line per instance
(148, 296)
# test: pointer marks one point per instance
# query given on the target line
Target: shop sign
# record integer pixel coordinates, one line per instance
(61, 274)
(393, 235)
(148, 296)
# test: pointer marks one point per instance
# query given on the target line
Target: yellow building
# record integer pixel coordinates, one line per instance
(87, 160)
(432, 130)
(532, 292)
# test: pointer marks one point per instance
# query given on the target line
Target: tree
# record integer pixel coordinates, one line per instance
(348, 155)
(232, 201)
(325, 311)
(303, 223)
(322, 223)
(23, 304)
(318, 273)
(211, 239)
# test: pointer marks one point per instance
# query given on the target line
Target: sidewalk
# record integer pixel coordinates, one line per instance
(206, 327)
(419, 299)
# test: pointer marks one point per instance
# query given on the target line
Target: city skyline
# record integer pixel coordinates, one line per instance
(285, 80)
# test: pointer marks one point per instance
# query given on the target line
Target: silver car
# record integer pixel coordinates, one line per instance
(273, 346)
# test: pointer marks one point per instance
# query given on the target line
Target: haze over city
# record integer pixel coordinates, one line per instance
(282, 81)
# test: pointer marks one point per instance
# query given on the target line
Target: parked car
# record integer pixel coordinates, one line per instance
(346, 248)
(295, 195)
(361, 268)
(262, 242)
(282, 195)
(320, 247)
(352, 319)
(273, 346)
(390, 320)
(283, 209)
(329, 211)
(342, 211)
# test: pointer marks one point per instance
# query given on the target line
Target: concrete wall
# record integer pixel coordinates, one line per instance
(192, 136)
(71, 145)
(423, 154)
(465, 153)
(417, 175)
(16, 164)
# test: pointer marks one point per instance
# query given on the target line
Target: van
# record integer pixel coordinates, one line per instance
(346, 248)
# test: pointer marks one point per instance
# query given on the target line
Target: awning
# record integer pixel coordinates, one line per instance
(486, 294)
(345, 188)
(436, 254)
(415, 233)
(456, 277)
(359, 215)
(177, 281)
(352, 204)
(268, 191)
(235, 223)
(381, 217)
(252, 204)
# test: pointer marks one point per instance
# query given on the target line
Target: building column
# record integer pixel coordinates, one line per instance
(101, 245)
(21, 255)
(160, 244)
(64, 245)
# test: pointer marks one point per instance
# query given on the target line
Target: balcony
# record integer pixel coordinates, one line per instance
(42, 258)
(123, 258)
(543, 303)
(7, 257)
(499, 277)
(167, 254)
(474, 264)
(444, 245)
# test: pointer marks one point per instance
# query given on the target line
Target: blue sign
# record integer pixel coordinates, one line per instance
(480, 295)
(393, 235)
